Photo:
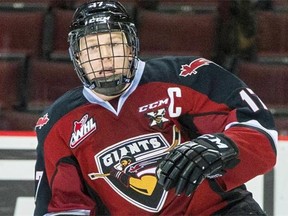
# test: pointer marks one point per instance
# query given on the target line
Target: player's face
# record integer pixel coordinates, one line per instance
(105, 54)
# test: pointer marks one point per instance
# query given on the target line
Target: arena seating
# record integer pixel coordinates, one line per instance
(163, 33)
(36, 4)
(272, 30)
(14, 120)
(12, 71)
(268, 81)
(60, 23)
(21, 32)
(34, 38)
(46, 81)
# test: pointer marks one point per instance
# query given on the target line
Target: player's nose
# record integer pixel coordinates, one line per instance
(106, 52)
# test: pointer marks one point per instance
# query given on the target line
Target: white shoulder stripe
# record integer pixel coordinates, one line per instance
(272, 133)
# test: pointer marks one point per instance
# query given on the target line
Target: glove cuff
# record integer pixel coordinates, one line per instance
(221, 143)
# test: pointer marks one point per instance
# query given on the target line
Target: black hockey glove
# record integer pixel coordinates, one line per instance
(186, 166)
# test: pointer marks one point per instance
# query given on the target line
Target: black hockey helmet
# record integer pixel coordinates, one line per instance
(96, 17)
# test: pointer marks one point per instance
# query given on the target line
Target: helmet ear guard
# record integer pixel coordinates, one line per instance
(98, 17)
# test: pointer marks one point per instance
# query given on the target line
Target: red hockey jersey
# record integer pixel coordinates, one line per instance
(97, 157)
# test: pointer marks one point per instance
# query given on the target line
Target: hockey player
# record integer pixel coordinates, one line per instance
(170, 136)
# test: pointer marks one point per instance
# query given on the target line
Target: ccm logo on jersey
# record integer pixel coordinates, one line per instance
(82, 129)
(173, 92)
(193, 67)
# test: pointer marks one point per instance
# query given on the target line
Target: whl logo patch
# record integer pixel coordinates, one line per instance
(81, 130)
(193, 66)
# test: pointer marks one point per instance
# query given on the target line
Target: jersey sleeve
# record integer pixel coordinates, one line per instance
(251, 126)
(226, 104)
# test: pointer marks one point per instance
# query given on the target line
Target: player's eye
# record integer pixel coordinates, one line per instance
(94, 47)
(115, 44)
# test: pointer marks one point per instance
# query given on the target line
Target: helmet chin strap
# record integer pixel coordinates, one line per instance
(126, 80)
(119, 92)
(110, 88)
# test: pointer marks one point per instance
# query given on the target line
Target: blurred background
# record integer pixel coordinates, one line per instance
(247, 37)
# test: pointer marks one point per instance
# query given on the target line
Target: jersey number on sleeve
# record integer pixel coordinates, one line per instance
(251, 99)
(38, 177)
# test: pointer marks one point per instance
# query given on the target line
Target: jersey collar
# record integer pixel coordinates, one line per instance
(94, 99)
